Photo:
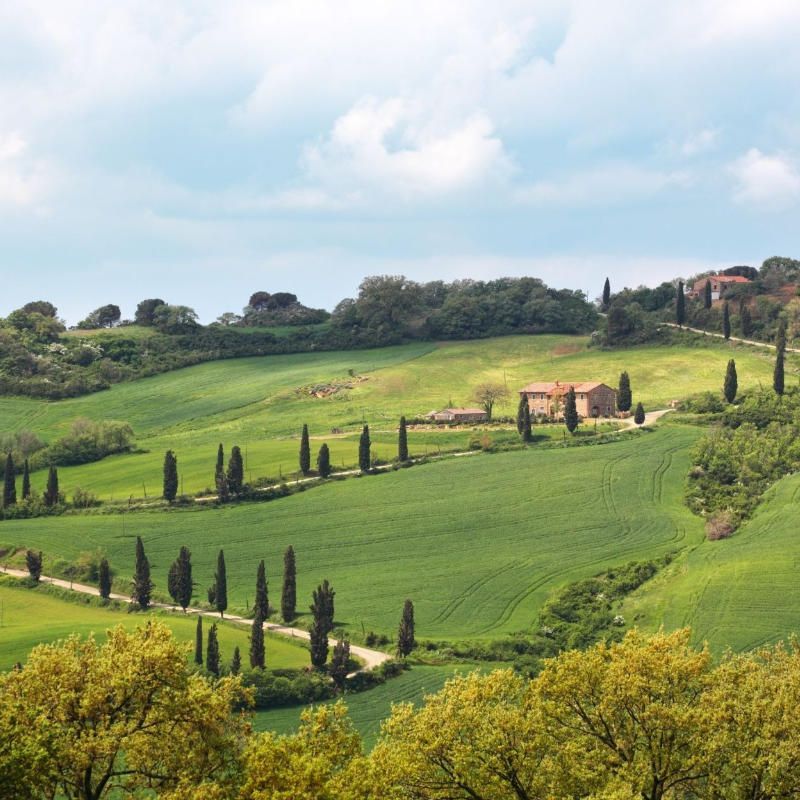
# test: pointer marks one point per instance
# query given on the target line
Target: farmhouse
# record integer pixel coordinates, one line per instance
(719, 284)
(592, 399)
(459, 415)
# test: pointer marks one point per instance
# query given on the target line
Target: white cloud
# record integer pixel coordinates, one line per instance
(699, 142)
(24, 181)
(764, 181)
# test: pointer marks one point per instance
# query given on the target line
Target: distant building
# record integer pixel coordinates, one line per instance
(592, 399)
(459, 415)
(719, 283)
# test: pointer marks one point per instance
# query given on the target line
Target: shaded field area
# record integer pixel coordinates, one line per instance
(261, 404)
(477, 543)
(740, 592)
(33, 616)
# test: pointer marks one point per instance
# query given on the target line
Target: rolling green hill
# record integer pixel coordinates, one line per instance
(478, 543)
(261, 403)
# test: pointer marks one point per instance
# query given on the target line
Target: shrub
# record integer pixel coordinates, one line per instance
(720, 525)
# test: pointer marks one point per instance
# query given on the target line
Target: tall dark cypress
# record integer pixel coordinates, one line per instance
(212, 651)
(221, 585)
(527, 434)
(523, 402)
(33, 561)
(236, 661)
(606, 293)
(257, 659)
(305, 452)
(364, 459)
(638, 415)
(235, 471)
(339, 663)
(319, 644)
(170, 491)
(570, 411)
(9, 483)
(198, 641)
(142, 585)
(223, 491)
(289, 590)
(707, 295)
(26, 481)
(624, 396)
(51, 491)
(324, 461)
(185, 584)
(726, 321)
(405, 634)
(262, 598)
(322, 606)
(220, 460)
(104, 579)
(780, 353)
(731, 382)
(680, 305)
(402, 441)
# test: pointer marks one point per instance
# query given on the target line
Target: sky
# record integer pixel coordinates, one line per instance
(198, 151)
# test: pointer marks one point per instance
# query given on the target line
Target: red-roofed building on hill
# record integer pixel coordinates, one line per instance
(592, 399)
(719, 283)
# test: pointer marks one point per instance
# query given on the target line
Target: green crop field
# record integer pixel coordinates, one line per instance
(478, 543)
(367, 710)
(261, 403)
(740, 592)
(32, 616)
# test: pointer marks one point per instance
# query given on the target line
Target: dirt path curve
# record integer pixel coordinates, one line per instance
(730, 338)
(649, 418)
(371, 658)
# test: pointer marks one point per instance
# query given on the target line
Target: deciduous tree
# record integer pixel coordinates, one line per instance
(289, 590)
(170, 490)
(488, 394)
(305, 452)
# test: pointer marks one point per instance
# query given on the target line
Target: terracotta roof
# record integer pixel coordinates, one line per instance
(731, 278)
(543, 387)
(465, 410)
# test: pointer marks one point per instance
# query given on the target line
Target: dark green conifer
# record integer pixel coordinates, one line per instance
(9, 483)
(624, 396)
(570, 411)
(289, 591)
(223, 491)
(680, 305)
(185, 584)
(638, 415)
(324, 461)
(405, 634)
(364, 459)
(235, 471)
(198, 641)
(221, 585)
(707, 295)
(33, 561)
(305, 452)
(322, 605)
(26, 481)
(731, 382)
(212, 651)
(142, 585)
(262, 598)
(319, 644)
(606, 293)
(726, 321)
(220, 460)
(236, 661)
(51, 491)
(170, 491)
(257, 659)
(339, 663)
(523, 403)
(527, 433)
(402, 441)
(104, 579)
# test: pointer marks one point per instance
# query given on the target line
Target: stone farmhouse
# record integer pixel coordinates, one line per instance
(719, 283)
(459, 415)
(592, 399)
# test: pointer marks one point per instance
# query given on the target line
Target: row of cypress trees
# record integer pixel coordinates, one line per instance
(50, 496)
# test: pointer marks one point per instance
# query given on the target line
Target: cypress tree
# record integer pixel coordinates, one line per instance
(322, 606)
(142, 585)
(527, 434)
(780, 348)
(198, 641)
(624, 396)
(170, 476)
(523, 403)
(405, 634)
(606, 293)
(104, 579)
(262, 598)
(638, 415)
(257, 659)
(324, 461)
(745, 320)
(212, 651)
(305, 452)
(236, 661)
(707, 295)
(185, 584)
(680, 305)
(402, 441)
(9, 483)
(223, 491)
(220, 460)
(51, 491)
(33, 561)
(221, 585)
(726, 321)
(26, 481)
(339, 661)
(319, 644)
(731, 382)
(289, 591)
(364, 460)
(570, 411)
(235, 471)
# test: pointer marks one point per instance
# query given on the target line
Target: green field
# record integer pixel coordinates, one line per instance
(32, 616)
(478, 543)
(367, 710)
(740, 592)
(255, 402)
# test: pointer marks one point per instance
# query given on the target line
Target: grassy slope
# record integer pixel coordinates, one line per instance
(253, 403)
(31, 617)
(477, 542)
(741, 592)
(367, 710)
